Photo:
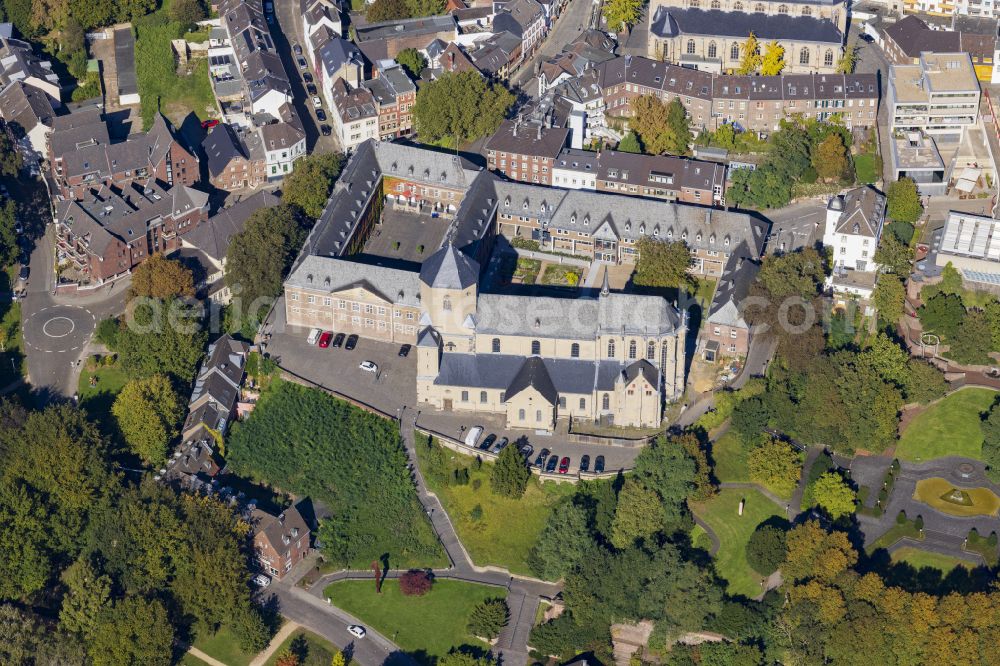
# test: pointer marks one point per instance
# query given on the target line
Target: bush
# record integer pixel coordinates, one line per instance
(901, 518)
(415, 583)
(107, 332)
(477, 513)
(488, 618)
(766, 549)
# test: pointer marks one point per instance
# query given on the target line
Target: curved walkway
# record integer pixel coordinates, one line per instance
(713, 537)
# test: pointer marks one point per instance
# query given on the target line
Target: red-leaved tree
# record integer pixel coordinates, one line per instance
(415, 583)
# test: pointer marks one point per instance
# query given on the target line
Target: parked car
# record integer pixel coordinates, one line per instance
(564, 465)
(310, 88)
(542, 455)
(404, 351)
(488, 442)
(357, 631)
(210, 123)
(313, 336)
(368, 366)
(297, 48)
(325, 339)
(599, 465)
(260, 580)
(302, 63)
(500, 446)
(338, 340)
(320, 114)
(473, 436)
(307, 77)
(585, 464)
(325, 130)
(551, 465)
(23, 275)
(317, 102)
(526, 451)
(352, 342)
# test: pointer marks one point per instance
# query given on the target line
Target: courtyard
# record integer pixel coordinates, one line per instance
(405, 235)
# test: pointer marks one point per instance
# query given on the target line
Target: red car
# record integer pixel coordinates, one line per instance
(324, 340)
(564, 465)
(209, 124)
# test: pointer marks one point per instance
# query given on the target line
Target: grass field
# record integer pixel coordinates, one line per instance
(507, 528)
(720, 513)
(864, 167)
(310, 649)
(97, 400)
(223, 646)
(949, 427)
(918, 559)
(982, 501)
(730, 457)
(427, 626)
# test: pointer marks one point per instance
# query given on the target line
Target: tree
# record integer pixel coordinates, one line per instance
(765, 549)
(457, 657)
(309, 185)
(663, 264)
(830, 158)
(662, 128)
(510, 475)
(132, 632)
(680, 128)
(794, 274)
(833, 494)
(162, 278)
(630, 144)
(287, 658)
(106, 332)
(148, 411)
(187, 12)
(413, 61)
(814, 552)
(887, 359)
(461, 106)
(951, 280)
(415, 583)
(971, 343)
(775, 465)
(161, 337)
(750, 60)
(894, 256)
(338, 659)
(386, 10)
(87, 593)
(750, 417)
(942, 314)
(773, 60)
(8, 233)
(622, 14)
(562, 543)
(11, 159)
(889, 297)
(488, 618)
(666, 468)
(259, 256)
(639, 515)
(903, 201)
(849, 60)
(704, 488)
(991, 442)
(425, 7)
(924, 382)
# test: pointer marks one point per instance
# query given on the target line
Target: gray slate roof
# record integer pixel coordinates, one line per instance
(862, 211)
(324, 274)
(213, 238)
(448, 268)
(534, 374)
(671, 22)
(498, 371)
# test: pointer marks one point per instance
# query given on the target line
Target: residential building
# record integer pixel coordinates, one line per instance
(526, 20)
(284, 142)
(394, 94)
(354, 115)
(281, 541)
(591, 48)
(852, 231)
(526, 151)
(710, 39)
(108, 232)
(265, 83)
(726, 332)
(953, 8)
(318, 15)
(498, 55)
(971, 243)
(904, 41)
(454, 59)
(82, 156)
(29, 116)
(657, 176)
(336, 59)
(236, 158)
(938, 96)
(379, 41)
(18, 62)
(216, 390)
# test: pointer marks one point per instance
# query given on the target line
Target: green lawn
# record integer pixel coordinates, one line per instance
(223, 646)
(704, 293)
(308, 647)
(947, 427)
(507, 528)
(730, 457)
(700, 539)
(12, 360)
(864, 167)
(97, 400)
(191, 660)
(428, 626)
(919, 559)
(733, 530)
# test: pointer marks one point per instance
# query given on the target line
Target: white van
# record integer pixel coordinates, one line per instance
(473, 436)
(314, 336)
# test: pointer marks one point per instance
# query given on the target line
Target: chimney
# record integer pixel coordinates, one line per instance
(539, 132)
(451, 59)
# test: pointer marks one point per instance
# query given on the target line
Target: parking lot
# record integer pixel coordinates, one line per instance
(394, 387)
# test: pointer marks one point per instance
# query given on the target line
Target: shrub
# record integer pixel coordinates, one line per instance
(510, 474)
(107, 332)
(901, 518)
(477, 513)
(415, 583)
(766, 549)
(488, 618)
(919, 523)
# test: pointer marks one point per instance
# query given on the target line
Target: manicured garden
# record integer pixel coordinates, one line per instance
(948, 427)
(918, 559)
(494, 530)
(561, 275)
(526, 270)
(427, 626)
(942, 495)
(100, 382)
(307, 647)
(721, 514)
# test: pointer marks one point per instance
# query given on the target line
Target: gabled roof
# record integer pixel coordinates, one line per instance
(673, 21)
(213, 238)
(449, 268)
(862, 211)
(534, 374)
(279, 531)
(644, 368)
(25, 106)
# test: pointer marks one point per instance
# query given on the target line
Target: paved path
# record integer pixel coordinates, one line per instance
(287, 630)
(713, 537)
(800, 490)
(212, 661)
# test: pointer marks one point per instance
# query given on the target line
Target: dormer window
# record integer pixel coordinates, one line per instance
(506, 202)
(711, 239)
(698, 238)
(857, 227)
(684, 235)
(656, 232)
(642, 228)
(572, 219)
(726, 243)
(525, 206)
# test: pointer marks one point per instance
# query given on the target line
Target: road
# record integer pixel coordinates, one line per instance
(287, 30)
(576, 18)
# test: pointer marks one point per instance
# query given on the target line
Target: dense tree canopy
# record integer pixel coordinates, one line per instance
(460, 106)
(630, 144)
(510, 474)
(148, 411)
(663, 264)
(309, 186)
(903, 201)
(622, 14)
(413, 61)
(161, 278)
(161, 337)
(773, 60)
(662, 128)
